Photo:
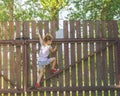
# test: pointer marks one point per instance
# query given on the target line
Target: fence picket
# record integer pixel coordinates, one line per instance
(18, 56)
(111, 56)
(104, 57)
(85, 54)
(79, 56)
(34, 63)
(73, 56)
(11, 68)
(98, 57)
(92, 59)
(60, 65)
(66, 57)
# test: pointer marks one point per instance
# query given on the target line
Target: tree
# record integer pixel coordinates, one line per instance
(95, 10)
(30, 9)
(6, 12)
(52, 7)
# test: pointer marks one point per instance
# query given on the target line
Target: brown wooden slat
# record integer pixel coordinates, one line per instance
(2, 31)
(117, 52)
(66, 57)
(26, 56)
(5, 67)
(18, 56)
(73, 56)
(60, 65)
(53, 28)
(26, 29)
(18, 28)
(46, 27)
(12, 65)
(110, 29)
(26, 34)
(85, 53)
(117, 60)
(5, 57)
(42, 93)
(98, 56)
(11, 50)
(92, 59)
(5, 30)
(104, 57)
(40, 27)
(11, 30)
(111, 56)
(78, 29)
(34, 67)
(79, 56)
(34, 53)
(115, 28)
(84, 26)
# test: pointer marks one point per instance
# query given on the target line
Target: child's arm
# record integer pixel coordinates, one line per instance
(53, 49)
(40, 39)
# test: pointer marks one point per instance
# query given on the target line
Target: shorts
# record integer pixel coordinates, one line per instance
(42, 64)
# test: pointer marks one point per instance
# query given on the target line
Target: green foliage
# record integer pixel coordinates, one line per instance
(49, 9)
(30, 9)
(6, 12)
(52, 7)
(95, 10)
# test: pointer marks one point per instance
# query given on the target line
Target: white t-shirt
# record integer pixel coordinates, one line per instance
(44, 52)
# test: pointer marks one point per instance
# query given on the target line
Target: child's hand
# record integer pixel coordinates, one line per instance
(55, 48)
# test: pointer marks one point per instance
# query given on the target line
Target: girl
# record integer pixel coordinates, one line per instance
(43, 57)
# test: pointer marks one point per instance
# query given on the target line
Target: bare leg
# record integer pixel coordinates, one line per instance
(53, 61)
(40, 75)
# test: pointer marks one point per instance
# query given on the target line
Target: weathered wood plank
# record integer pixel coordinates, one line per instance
(98, 57)
(111, 56)
(66, 57)
(92, 59)
(85, 54)
(73, 56)
(79, 57)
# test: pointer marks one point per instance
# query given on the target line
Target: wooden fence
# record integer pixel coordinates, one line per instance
(87, 55)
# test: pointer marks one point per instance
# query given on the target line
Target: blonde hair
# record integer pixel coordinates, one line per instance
(48, 37)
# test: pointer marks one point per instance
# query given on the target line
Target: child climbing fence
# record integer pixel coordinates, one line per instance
(87, 56)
